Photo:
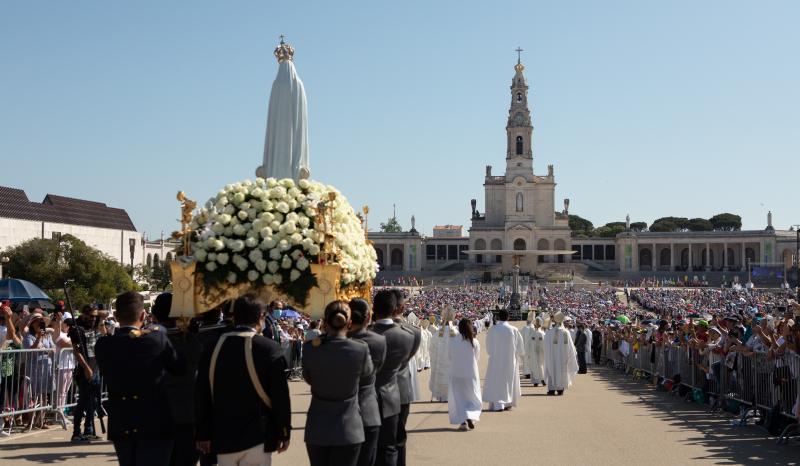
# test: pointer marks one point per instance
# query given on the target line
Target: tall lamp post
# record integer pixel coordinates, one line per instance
(132, 243)
(3, 261)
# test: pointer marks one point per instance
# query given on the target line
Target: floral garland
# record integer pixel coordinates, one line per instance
(268, 232)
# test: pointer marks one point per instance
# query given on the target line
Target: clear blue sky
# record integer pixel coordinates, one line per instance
(681, 108)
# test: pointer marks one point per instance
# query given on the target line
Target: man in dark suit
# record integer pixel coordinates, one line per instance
(133, 363)
(180, 388)
(242, 415)
(367, 397)
(272, 329)
(404, 377)
(399, 344)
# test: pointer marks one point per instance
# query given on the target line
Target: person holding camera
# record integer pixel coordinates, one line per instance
(39, 365)
(84, 335)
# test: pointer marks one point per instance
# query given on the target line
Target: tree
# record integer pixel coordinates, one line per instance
(670, 224)
(606, 231)
(639, 226)
(580, 226)
(616, 225)
(49, 263)
(391, 226)
(726, 222)
(700, 224)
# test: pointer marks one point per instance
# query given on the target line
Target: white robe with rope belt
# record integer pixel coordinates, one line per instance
(534, 354)
(440, 361)
(505, 347)
(560, 358)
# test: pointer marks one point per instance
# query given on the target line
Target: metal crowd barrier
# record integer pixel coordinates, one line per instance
(293, 353)
(757, 383)
(37, 385)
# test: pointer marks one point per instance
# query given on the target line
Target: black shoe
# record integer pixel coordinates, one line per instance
(536, 385)
(92, 437)
(79, 439)
(470, 424)
(551, 392)
(559, 392)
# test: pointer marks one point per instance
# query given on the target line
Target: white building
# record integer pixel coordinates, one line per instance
(519, 205)
(107, 229)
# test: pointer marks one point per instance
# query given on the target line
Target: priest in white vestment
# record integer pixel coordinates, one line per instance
(560, 358)
(588, 332)
(413, 367)
(504, 346)
(526, 334)
(440, 356)
(534, 352)
(464, 388)
(424, 353)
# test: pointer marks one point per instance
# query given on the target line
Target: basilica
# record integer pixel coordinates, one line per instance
(520, 225)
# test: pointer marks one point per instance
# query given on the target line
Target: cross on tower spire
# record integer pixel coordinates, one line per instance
(519, 54)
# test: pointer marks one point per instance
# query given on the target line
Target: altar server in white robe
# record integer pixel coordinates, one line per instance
(413, 363)
(588, 332)
(526, 335)
(440, 359)
(534, 352)
(464, 390)
(505, 347)
(561, 363)
(424, 346)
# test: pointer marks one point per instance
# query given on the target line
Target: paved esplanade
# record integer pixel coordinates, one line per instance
(604, 419)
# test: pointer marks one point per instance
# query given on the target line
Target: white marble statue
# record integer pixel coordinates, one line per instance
(286, 144)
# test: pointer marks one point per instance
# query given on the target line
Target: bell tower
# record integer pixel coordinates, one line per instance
(519, 130)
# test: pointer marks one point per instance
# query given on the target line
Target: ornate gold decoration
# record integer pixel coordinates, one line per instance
(185, 233)
(284, 52)
(365, 209)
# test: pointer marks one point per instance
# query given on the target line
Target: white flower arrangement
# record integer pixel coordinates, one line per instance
(269, 232)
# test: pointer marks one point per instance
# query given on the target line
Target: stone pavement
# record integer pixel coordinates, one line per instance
(604, 419)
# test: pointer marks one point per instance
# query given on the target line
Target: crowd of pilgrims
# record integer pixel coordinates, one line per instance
(219, 394)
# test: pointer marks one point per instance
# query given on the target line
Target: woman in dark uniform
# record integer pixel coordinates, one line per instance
(334, 366)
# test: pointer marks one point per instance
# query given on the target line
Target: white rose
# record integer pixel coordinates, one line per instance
(244, 206)
(304, 222)
(212, 257)
(267, 279)
(296, 239)
(251, 243)
(255, 255)
(228, 231)
(282, 207)
(200, 255)
(219, 245)
(307, 243)
(238, 198)
(284, 245)
(240, 262)
(314, 250)
(267, 205)
(277, 279)
(239, 230)
(261, 265)
(273, 266)
(286, 263)
(223, 258)
(218, 228)
(302, 264)
(211, 266)
(224, 219)
(275, 254)
(231, 277)
(252, 275)
(275, 225)
(294, 274)
(242, 215)
(229, 209)
(268, 243)
(304, 184)
(287, 182)
(271, 182)
(266, 232)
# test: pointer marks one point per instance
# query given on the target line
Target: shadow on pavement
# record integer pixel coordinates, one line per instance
(724, 443)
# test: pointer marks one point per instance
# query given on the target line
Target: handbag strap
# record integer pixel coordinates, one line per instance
(248, 359)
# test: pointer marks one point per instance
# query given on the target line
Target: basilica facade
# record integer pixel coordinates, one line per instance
(519, 223)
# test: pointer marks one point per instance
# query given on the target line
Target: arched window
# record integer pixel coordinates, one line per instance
(519, 244)
(519, 96)
(520, 203)
(497, 245)
(156, 260)
(149, 259)
(169, 257)
(665, 258)
(480, 245)
(519, 145)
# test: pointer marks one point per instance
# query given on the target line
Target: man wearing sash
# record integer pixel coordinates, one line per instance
(243, 410)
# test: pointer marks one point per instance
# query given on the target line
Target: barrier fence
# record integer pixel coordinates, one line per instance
(756, 383)
(38, 385)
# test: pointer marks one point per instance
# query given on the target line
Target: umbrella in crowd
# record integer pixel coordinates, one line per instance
(16, 290)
